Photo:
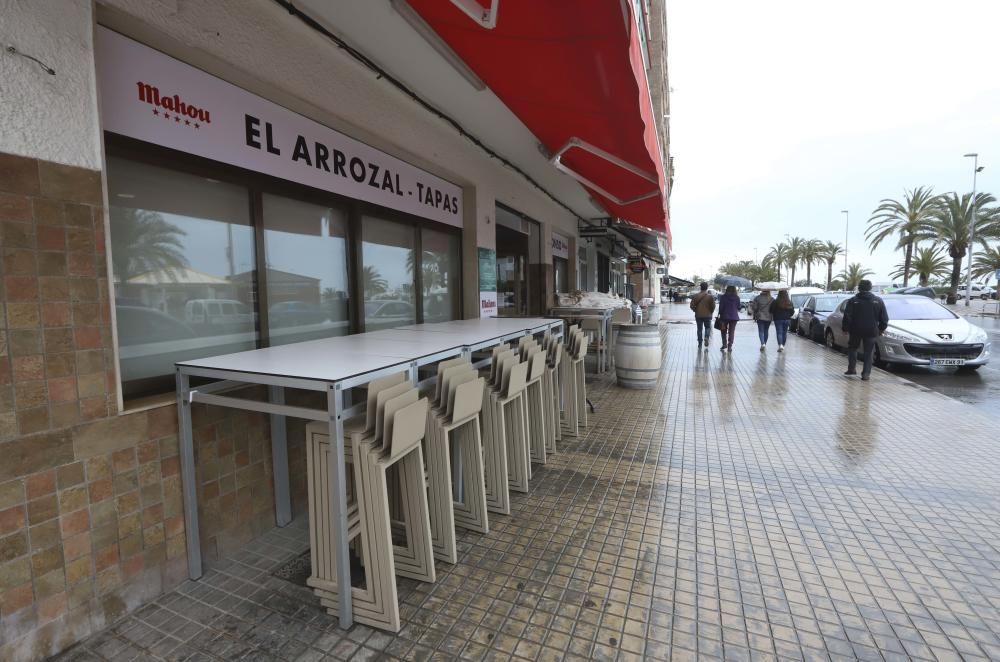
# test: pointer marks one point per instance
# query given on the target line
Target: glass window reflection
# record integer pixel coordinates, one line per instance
(387, 273)
(182, 254)
(306, 280)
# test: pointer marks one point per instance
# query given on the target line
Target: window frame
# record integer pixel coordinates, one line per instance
(257, 185)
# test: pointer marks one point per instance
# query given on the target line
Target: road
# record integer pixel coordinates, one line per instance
(981, 389)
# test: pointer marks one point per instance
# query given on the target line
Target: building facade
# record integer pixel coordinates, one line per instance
(198, 178)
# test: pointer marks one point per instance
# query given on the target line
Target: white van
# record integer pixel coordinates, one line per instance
(798, 296)
(978, 291)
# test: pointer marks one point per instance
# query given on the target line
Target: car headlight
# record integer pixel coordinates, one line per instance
(978, 336)
(899, 336)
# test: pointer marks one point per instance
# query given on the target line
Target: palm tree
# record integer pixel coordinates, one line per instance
(926, 263)
(855, 274)
(986, 263)
(142, 242)
(776, 257)
(950, 225)
(830, 251)
(811, 252)
(795, 248)
(906, 218)
(372, 283)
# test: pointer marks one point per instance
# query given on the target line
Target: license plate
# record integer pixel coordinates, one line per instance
(947, 361)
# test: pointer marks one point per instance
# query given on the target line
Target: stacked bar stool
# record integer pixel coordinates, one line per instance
(453, 428)
(534, 397)
(575, 380)
(504, 429)
(389, 436)
(552, 391)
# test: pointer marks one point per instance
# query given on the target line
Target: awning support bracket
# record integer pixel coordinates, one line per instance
(486, 18)
(579, 143)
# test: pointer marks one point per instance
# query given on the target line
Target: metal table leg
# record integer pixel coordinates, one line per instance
(189, 477)
(279, 459)
(338, 502)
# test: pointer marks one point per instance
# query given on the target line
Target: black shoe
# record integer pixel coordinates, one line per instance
(865, 378)
(850, 372)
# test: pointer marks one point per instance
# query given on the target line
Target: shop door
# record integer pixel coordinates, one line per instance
(512, 272)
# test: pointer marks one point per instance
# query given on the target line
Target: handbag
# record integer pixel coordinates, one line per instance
(718, 323)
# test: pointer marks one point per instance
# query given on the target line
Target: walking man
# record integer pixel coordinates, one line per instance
(865, 318)
(703, 305)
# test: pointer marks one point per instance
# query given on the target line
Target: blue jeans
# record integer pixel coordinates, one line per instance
(762, 328)
(704, 328)
(781, 330)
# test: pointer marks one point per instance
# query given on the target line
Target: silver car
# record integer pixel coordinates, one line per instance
(921, 332)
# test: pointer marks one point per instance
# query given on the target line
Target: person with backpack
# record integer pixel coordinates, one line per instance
(865, 318)
(703, 305)
(781, 310)
(729, 315)
(760, 310)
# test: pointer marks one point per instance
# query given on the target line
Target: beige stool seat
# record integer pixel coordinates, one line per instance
(453, 427)
(395, 425)
(504, 430)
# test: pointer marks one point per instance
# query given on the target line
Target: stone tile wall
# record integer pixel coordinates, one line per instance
(91, 519)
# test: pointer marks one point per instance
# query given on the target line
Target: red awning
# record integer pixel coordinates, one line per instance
(573, 73)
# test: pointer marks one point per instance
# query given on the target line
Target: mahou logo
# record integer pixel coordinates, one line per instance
(182, 111)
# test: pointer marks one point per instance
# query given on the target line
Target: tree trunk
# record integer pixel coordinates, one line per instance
(923, 281)
(792, 284)
(907, 261)
(809, 273)
(956, 272)
(829, 276)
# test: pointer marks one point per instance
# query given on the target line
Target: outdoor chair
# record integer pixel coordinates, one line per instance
(504, 431)
(575, 382)
(388, 436)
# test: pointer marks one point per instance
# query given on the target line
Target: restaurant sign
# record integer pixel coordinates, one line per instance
(560, 246)
(152, 97)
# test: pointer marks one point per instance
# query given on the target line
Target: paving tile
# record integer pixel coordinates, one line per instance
(750, 507)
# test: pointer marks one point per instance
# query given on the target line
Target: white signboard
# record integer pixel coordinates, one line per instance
(487, 304)
(153, 97)
(560, 246)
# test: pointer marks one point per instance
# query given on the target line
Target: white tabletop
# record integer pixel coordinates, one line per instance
(333, 359)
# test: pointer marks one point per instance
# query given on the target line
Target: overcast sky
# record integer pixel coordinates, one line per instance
(785, 112)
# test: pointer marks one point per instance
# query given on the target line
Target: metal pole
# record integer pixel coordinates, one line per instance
(847, 222)
(972, 231)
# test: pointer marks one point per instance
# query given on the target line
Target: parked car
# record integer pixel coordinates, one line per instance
(799, 296)
(812, 316)
(745, 299)
(921, 332)
(923, 291)
(218, 315)
(295, 313)
(978, 291)
(386, 314)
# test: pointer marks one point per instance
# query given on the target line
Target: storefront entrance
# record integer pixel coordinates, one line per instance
(518, 258)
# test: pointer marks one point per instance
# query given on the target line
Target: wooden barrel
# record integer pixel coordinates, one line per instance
(638, 355)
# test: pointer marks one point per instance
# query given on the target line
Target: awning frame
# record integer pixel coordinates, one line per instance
(580, 143)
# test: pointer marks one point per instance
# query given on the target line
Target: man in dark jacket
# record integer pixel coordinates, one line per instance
(703, 305)
(865, 318)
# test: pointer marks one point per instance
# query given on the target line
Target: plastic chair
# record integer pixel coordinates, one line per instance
(389, 437)
(505, 453)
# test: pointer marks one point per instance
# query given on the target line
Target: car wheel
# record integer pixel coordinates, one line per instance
(829, 340)
(984, 297)
(879, 361)
(814, 333)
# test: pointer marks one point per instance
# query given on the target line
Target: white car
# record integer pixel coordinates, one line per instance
(978, 291)
(921, 332)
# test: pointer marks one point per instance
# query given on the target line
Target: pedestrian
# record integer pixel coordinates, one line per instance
(865, 318)
(703, 305)
(760, 310)
(729, 315)
(781, 310)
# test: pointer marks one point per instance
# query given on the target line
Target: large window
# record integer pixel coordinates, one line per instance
(306, 278)
(179, 246)
(209, 259)
(387, 273)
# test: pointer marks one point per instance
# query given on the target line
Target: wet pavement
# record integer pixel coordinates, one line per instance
(751, 507)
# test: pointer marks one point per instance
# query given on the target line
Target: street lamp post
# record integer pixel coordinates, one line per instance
(972, 229)
(847, 220)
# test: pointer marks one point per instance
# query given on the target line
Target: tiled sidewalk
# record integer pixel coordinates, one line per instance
(753, 506)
